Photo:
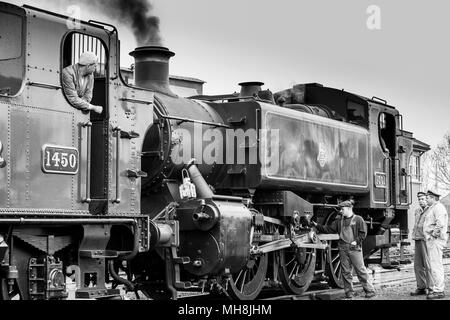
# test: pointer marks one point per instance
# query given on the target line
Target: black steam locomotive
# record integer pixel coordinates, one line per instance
(163, 194)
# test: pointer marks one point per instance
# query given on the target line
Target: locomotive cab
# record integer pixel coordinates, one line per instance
(74, 44)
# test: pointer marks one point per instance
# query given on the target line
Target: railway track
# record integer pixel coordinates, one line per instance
(381, 278)
(321, 290)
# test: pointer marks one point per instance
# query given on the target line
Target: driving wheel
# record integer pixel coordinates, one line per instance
(248, 283)
(296, 269)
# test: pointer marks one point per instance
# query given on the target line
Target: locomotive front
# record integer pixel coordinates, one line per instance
(214, 231)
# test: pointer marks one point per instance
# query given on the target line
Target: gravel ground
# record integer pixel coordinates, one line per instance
(389, 284)
(401, 291)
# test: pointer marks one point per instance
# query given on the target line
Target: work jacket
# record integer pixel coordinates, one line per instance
(436, 222)
(419, 216)
(78, 93)
(358, 226)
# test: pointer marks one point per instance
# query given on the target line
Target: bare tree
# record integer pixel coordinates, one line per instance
(426, 171)
(440, 164)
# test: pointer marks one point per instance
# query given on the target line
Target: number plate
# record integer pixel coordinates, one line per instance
(60, 160)
(380, 180)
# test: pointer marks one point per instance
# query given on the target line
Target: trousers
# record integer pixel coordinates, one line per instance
(422, 267)
(435, 249)
(351, 257)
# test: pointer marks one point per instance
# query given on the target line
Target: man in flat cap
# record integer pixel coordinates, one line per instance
(435, 231)
(352, 231)
(422, 267)
(78, 82)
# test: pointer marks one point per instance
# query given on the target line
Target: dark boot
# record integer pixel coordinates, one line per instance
(350, 295)
(419, 292)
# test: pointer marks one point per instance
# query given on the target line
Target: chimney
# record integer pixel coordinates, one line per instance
(151, 69)
(250, 89)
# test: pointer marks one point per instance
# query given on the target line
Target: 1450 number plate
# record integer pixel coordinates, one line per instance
(60, 160)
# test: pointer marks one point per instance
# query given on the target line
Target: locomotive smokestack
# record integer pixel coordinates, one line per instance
(152, 68)
(250, 89)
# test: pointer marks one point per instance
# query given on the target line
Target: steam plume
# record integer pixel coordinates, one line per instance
(136, 13)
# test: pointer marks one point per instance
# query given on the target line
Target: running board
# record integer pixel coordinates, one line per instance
(300, 241)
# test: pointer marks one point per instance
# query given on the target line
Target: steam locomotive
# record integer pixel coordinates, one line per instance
(127, 197)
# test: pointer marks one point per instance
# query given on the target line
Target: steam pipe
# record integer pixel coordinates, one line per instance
(203, 189)
(130, 286)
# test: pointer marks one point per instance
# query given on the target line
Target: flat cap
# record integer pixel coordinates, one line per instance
(419, 194)
(345, 204)
(432, 193)
(87, 58)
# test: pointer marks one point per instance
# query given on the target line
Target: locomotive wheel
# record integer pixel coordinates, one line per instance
(297, 266)
(333, 268)
(248, 283)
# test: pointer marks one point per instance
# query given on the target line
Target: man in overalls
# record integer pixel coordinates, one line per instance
(422, 267)
(435, 230)
(352, 231)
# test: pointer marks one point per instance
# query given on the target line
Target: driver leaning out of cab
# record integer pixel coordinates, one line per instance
(78, 82)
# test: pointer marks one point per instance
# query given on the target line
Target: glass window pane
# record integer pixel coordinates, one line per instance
(10, 36)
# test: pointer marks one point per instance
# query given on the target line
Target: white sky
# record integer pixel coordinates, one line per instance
(285, 42)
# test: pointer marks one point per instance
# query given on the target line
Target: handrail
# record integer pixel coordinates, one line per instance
(410, 190)
(88, 126)
(389, 179)
(397, 173)
(117, 130)
(103, 24)
(406, 184)
(136, 101)
(182, 120)
(379, 99)
(43, 85)
(400, 119)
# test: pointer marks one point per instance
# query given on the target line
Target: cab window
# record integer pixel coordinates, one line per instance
(356, 113)
(74, 45)
(387, 132)
(12, 65)
(77, 43)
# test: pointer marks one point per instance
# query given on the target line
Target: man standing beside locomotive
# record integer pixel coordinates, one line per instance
(435, 230)
(422, 267)
(78, 82)
(352, 231)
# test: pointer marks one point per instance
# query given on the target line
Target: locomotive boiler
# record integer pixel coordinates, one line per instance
(209, 193)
